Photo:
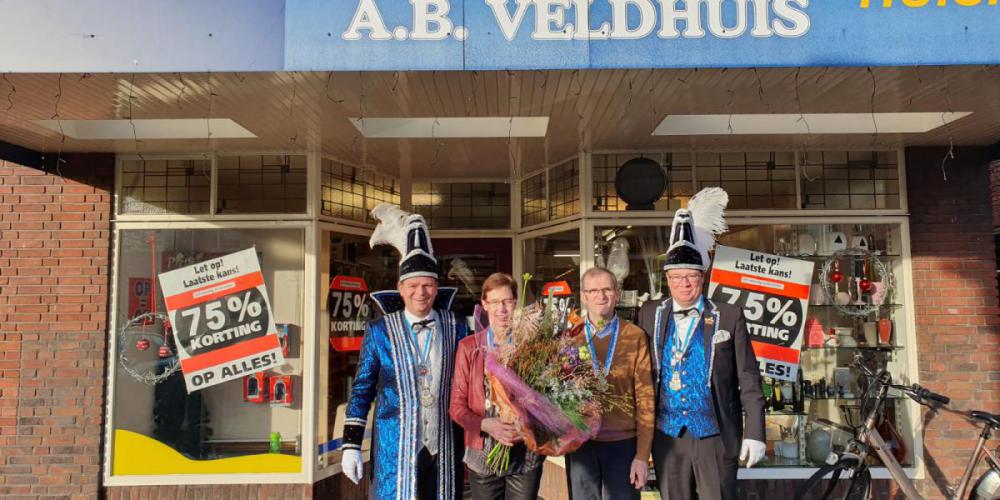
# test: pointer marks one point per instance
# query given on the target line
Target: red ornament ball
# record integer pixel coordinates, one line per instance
(836, 276)
(865, 285)
(165, 352)
(142, 344)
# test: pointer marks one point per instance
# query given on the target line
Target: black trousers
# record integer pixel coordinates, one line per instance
(522, 486)
(601, 470)
(427, 475)
(689, 468)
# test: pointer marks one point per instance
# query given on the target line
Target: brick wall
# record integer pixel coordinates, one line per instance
(955, 291)
(54, 246)
(995, 192)
(212, 491)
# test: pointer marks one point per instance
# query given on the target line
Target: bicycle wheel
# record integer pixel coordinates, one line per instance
(810, 490)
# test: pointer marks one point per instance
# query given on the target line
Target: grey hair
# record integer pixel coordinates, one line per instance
(589, 273)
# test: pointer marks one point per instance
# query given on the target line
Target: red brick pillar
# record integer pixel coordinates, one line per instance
(53, 298)
(995, 193)
(955, 290)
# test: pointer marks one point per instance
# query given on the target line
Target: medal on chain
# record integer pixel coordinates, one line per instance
(423, 366)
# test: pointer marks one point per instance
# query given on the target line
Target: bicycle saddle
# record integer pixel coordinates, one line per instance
(993, 420)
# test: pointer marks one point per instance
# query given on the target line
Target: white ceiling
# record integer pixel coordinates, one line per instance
(592, 110)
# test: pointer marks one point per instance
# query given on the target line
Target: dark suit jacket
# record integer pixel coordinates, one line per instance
(736, 381)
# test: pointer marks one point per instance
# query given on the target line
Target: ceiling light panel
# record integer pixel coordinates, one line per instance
(809, 123)
(150, 129)
(465, 127)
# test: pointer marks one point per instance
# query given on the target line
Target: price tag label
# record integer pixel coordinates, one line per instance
(223, 324)
(349, 311)
(773, 291)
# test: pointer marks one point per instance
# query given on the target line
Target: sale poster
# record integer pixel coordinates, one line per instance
(140, 297)
(222, 320)
(773, 291)
(347, 303)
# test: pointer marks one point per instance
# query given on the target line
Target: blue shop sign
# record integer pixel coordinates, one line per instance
(552, 34)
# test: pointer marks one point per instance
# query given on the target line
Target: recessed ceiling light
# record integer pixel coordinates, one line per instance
(149, 129)
(465, 127)
(809, 123)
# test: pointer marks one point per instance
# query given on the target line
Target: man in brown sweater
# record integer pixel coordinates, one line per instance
(600, 468)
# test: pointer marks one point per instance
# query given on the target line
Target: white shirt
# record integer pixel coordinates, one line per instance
(427, 432)
(682, 324)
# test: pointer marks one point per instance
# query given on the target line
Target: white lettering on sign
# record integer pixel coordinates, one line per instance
(629, 20)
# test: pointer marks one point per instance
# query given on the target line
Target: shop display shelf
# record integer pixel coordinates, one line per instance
(823, 258)
(856, 397)
(785, 413)
(852, 306)
(879, 348)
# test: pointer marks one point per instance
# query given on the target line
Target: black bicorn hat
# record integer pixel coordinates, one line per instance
(694, 230)
(683, 252)
(408, 233)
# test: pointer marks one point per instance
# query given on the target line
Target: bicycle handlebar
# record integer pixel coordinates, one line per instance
(923, 393)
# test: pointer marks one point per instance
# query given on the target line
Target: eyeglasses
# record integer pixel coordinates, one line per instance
(504, 302)
(594, 292)
(690, 278)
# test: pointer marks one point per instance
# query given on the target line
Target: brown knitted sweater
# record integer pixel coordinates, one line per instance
(630, 376)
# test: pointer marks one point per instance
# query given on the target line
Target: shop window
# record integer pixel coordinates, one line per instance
(553, 258)
(847, 322)
(534, 204)
(463, 205)
(348, 192)
(159, 428)
(753, 180)
(351, 270)
(841, 180)
(154, 187)
(379, 188)
(564, 189)
(262, 184)
(343, 191)
(676, 168)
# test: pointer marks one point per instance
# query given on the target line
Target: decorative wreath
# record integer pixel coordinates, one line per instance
(144, 348)
(830, 276)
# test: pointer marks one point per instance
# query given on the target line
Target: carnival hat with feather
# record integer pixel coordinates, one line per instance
(695, 229)
(409, 235)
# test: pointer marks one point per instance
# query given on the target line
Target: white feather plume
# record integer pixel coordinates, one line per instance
(391, 228)
(707, 208)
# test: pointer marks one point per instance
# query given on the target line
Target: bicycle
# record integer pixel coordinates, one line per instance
(867, 439)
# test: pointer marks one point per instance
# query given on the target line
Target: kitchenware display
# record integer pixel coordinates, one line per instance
(807, 244)
(845, 336)
(819, 444)
(835, 241)
(870, 329)
(842, 378)
(814, 333)
(817, 297)
(885, 331)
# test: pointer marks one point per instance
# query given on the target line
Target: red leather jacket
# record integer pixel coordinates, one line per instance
(468, 394)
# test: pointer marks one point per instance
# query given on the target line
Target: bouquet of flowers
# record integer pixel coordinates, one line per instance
(544, 382)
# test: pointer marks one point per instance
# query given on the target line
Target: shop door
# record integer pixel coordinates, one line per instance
(465, 263)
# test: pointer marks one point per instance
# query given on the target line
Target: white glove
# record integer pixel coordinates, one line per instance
(353, 465)
(752, 451)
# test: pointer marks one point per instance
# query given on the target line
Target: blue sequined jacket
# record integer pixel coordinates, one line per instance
(386, 377)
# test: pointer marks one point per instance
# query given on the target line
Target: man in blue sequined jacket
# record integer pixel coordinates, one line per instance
(704, 368)
(405, 368)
